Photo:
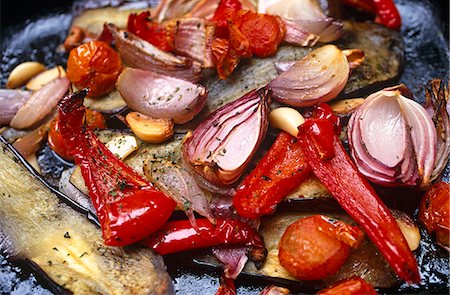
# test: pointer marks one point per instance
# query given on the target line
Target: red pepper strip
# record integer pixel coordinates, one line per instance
(180, 235)
(354, 193)
(227, 287)
(385, 10)
(351, 286)
(281, 170)
(128, 207)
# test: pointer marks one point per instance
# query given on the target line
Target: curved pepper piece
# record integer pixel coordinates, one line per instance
(281, 170)
(180, 235)
(128, 207)
(354, 193)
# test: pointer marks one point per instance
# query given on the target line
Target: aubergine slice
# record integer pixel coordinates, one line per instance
(383, 48)
(68, 248)
(365, 261)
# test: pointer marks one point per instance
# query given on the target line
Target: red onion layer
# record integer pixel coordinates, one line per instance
(159, 96)
(221, 147)
(10, 102)
(393, 139)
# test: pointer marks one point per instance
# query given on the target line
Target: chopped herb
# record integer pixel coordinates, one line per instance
(266, 178)
(67, 235)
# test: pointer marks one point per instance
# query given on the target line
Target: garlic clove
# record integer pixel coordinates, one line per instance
(149, 129)
(408, 228)
(122, 145)
(45, 77)
(23, 72)
(286, 119)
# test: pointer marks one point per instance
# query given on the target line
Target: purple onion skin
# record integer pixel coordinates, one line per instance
(10, 102)
(207, 163)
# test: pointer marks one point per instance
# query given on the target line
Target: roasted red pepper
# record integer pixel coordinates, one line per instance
(385, 10)
(351, 286)
(281, 170)
(128, 207)
(354, 193)
(142, 26)
(180, 235)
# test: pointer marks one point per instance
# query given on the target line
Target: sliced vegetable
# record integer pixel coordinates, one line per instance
(351, 286)
(277, 174)
(318, 77)
(29, 144)
(95, 65)
(226, 287)
(45, 77)
(128, 207)
(336, 171)
(10, 102)
(159, 96)
(437, 99)
(346, 106)
(40, 103)
(56, 141)
(74, 38)
(232, 258)
(275, 290)
(193, 38)
(24, 72)
(180, 185)
(138, 53)
(393, 139)
(180, 235)
(297, 35)
(385, 10)
(122, 145)
(225, 12)
(221, 147)
(142, 26)
(434, 212)
(317, 246)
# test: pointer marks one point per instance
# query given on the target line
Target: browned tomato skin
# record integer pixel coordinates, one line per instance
(95, 65)
(351, 286)
(310, 251)
(434, 212)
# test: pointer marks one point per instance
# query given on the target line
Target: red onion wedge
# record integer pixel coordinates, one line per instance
(297, 35)
(436, 102)
(30, 143)
(193, 38)
(138, 53)
(10, 102)
(318, 77)
(40, 104)
(393, 139)
(221, 147)
(159, 96)
(180, 185)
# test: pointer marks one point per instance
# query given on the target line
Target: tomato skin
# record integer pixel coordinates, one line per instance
(315, 247)
(142, 26)
(351, 286)
(224, 13)
(225, 57)
(95, 65)
(56, 141)
(434, 212)
(264, 32)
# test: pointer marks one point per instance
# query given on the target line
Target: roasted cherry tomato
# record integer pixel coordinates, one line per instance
(434, 212)
(315, 247)
(351, 286)
(142, 26)
(55, 140)
(264, 32)
(226, 10)
(225, 57)
(95, 65)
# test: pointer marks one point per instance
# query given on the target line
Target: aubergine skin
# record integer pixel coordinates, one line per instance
(37, 226)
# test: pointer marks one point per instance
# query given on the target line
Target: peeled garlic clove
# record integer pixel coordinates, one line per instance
(122, 145)
(408, 228)
(45, 77)
(149, 129)
(24, 72)
(286, 119)
(346, 106)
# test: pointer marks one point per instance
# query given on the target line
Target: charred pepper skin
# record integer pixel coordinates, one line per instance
(354, 193)
(128, 207)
